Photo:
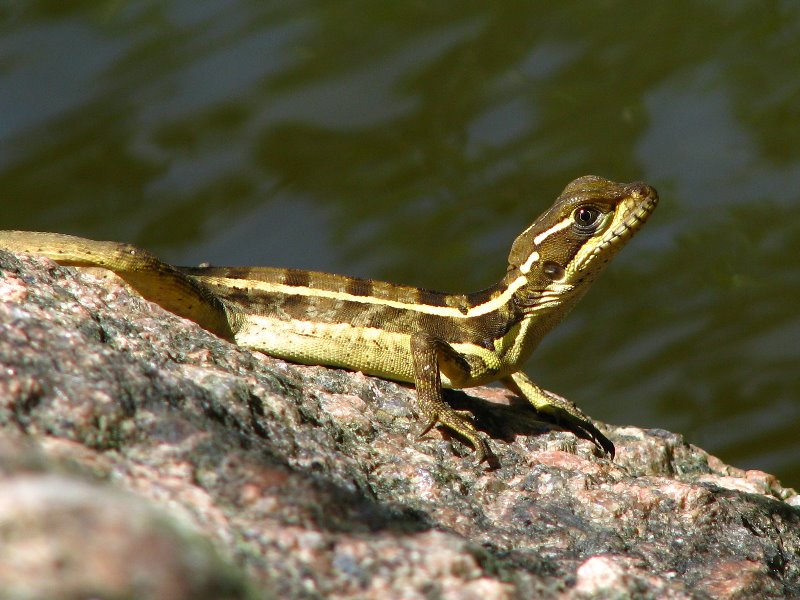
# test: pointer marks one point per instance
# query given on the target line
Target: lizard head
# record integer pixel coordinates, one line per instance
(570, 244)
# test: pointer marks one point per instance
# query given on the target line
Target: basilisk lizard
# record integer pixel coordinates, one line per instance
(404, 333)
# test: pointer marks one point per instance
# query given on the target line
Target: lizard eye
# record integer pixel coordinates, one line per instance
(586, 219)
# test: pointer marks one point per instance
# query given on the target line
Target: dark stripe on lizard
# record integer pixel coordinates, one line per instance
(366, 288)
(481, 330)
(296, 278)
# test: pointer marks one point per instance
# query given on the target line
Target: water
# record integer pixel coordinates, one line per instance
(409, 142)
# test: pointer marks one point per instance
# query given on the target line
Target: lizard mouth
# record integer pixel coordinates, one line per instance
(641, 203)
(634, 220)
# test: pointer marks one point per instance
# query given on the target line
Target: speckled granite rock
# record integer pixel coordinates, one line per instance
(67, 536)
(308, 481)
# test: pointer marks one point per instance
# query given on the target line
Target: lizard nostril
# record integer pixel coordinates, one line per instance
(639, 189)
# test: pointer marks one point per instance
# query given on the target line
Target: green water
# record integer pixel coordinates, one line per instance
(410, 142)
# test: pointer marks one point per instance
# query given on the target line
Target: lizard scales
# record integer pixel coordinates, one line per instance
(398, 332)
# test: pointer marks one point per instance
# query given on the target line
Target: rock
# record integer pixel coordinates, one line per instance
(67, 536)
(148, 434)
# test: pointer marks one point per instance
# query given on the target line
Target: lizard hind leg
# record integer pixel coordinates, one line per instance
(155, 280)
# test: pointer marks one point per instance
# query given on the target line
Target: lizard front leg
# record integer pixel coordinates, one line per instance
(431, 357)
(557, 409)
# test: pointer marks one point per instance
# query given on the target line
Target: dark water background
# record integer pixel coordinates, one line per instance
(412, 141)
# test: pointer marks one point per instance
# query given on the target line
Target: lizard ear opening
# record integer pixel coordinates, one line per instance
(553, 270)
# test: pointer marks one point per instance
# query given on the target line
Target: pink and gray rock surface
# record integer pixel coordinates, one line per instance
(142, 457)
